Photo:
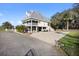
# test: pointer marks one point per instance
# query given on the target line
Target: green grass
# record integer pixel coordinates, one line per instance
(70, 43)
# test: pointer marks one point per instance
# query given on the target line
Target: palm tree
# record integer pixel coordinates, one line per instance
(69, 15)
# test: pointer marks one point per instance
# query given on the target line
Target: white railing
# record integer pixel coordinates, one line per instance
(29, 24)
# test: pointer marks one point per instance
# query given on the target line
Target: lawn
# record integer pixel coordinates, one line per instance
(70, 43)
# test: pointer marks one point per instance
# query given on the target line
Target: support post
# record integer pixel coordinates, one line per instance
(36, 28)
(42, 28)
(31, 25)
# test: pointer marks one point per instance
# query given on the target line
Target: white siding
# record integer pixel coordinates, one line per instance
(25, 24)
(44, 24)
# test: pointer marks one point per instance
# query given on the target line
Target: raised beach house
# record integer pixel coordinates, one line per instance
(35, 22)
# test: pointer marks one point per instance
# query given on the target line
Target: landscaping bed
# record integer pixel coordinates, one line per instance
(70, 43)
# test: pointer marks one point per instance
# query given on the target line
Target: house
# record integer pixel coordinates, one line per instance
(35, 22)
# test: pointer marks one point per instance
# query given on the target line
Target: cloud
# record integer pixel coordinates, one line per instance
(19, 22)
(1, 14)
(12, 22)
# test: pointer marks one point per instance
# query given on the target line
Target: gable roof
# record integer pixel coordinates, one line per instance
(35, 15)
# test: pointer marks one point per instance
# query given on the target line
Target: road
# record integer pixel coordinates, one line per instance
(13, 44)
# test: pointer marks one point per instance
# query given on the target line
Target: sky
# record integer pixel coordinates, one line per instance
(15, 13)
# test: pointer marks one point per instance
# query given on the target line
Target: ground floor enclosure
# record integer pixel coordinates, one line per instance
(36, 29)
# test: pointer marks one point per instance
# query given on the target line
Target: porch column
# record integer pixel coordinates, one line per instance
(42, 28)
(36, 29)
(31, 25)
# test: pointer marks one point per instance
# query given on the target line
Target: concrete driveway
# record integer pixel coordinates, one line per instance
(13, 44)
(48, 37)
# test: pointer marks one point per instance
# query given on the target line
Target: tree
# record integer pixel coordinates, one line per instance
(55, 20)
(66, 19)
(68, 16)
(7, 25)
(21, 28)
(76, 5)
(76, 9)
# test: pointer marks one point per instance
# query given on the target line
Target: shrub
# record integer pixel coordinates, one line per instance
(1, 28)
(21, 28)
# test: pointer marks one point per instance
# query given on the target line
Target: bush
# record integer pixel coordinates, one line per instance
(1, 28)
(21, 28)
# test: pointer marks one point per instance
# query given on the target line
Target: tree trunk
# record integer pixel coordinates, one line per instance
(67, 25)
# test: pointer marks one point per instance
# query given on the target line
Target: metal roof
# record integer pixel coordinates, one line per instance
(35, 15)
